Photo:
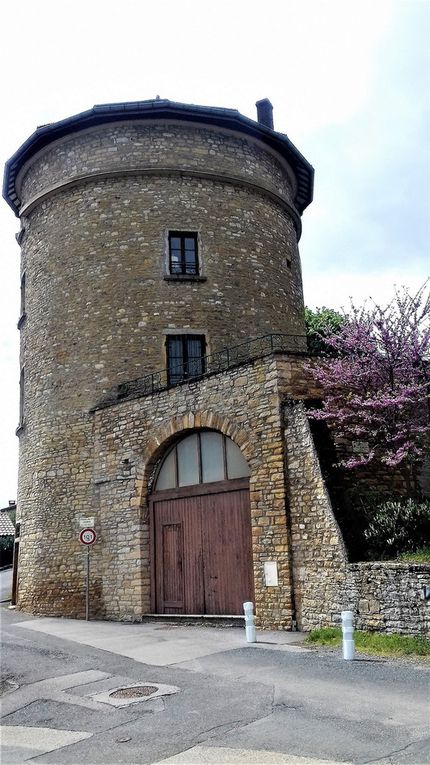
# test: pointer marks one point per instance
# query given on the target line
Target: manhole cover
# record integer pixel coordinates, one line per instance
(134, 693)
(123, 695)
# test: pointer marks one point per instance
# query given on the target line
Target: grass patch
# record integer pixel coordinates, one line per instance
(375, 643)
(331, 636)
(420, 556)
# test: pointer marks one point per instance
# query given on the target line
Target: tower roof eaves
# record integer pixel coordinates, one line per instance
(159, 109)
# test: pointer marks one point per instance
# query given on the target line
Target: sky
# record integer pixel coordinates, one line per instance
(350, 86)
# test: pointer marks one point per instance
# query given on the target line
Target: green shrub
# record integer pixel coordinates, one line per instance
(320, 323)
(353, 509)
(6, 549)
(397, 526)
(419, 556)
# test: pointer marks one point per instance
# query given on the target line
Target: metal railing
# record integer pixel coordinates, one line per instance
(221, 361)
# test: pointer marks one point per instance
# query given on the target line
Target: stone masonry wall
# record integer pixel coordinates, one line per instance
(386, 597)
(126, 146)
(242, 403)
(126, 442)
(96, 210)
(98, 306)
(318, 555)
(292, 520)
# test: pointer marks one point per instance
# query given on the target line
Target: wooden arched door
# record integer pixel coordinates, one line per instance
(201, 531)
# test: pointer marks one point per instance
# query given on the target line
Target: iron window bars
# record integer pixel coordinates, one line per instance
(183, 253)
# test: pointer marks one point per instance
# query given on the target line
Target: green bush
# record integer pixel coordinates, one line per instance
(6, 549)
(353, 509)
(422, 555)
(320, 323)
(397, 526)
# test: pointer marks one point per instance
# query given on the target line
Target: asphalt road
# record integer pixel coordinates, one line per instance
(267, 703)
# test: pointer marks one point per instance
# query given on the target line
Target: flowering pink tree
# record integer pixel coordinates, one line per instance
(376, 386)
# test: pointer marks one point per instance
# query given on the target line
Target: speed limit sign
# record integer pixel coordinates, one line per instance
(87, 536)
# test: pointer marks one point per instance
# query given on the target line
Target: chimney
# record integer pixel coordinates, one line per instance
(265, 113)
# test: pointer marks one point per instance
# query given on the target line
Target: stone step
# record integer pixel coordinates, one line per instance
(212, 620)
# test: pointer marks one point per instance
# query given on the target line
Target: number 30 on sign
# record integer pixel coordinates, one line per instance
(87, 536)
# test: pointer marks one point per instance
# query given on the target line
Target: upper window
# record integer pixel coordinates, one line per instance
(183, 253)
(203, 457)
(185, 357)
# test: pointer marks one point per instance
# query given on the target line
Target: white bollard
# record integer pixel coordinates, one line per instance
(348, 645)
(248, 608)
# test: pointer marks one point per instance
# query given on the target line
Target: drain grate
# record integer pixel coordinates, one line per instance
(134, 693)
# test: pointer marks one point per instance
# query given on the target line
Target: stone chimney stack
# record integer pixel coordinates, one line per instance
(265, 113)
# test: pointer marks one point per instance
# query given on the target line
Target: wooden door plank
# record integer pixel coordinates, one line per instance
(227, 552)
(203, 552)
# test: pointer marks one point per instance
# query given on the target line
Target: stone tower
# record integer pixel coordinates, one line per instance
(154, 236)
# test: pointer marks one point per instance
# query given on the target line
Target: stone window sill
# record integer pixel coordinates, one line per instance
(184, 278)
(21, 320)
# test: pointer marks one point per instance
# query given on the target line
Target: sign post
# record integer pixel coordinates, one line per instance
(87, 537)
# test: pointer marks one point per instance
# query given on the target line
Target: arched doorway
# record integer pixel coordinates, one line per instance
(201, 528)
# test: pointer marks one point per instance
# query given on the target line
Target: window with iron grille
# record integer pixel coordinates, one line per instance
(183, 253)
(185, 357)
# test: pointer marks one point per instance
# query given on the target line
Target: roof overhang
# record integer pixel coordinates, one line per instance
(160, 109)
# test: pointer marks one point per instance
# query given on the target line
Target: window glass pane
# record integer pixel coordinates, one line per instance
(212, 457)
(175, 359)
(175, 243)
(190, 243)
(237, 466)
(167, 475)
(194, 347)
(190, 263)
(188, 462)
(195, 352)
(175, 347)
(175, 262)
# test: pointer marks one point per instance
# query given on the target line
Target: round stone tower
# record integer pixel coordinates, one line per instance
(152, 234)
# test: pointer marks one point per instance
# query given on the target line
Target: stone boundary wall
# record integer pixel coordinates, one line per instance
(385, 596)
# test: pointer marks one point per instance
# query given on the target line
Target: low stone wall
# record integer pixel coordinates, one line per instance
(386, 597)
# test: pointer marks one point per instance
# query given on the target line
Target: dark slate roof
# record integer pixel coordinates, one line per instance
(6, 526)
(160, 109)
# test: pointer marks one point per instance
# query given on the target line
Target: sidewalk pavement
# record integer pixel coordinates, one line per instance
(274, 702)
(161, 643)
